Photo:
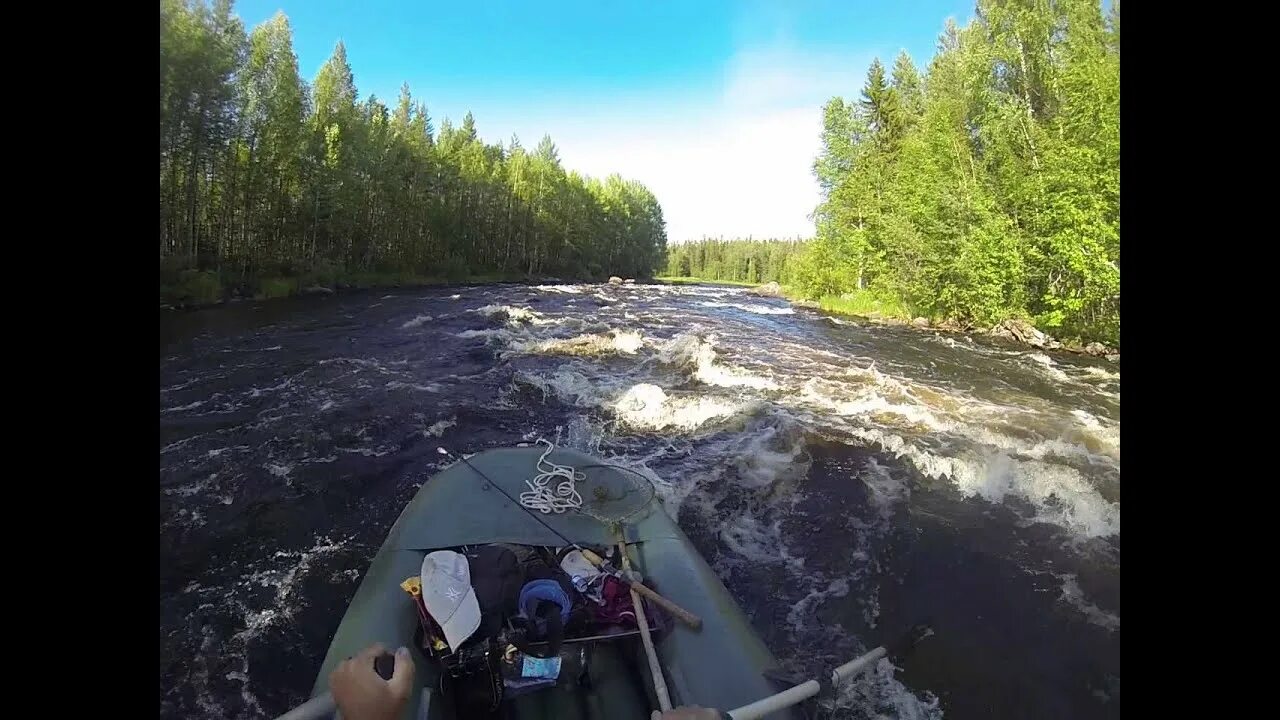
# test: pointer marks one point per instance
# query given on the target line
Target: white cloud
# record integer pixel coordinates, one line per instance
(732, 159)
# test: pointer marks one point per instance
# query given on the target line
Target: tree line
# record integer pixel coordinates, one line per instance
(740, 260)
(987, 186)
(263, 175)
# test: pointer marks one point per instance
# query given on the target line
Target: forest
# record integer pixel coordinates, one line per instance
(982, 187)
(269, 184)
(737, 260)
(986, 186)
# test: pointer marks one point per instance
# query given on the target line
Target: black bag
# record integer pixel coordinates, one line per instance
(496, 577)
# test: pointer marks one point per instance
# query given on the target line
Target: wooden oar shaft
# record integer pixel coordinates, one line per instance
(655, 669)
(683, 615)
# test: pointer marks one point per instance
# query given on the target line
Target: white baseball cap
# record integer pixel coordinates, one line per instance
(448, 595)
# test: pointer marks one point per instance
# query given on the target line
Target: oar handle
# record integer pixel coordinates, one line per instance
(683, 615)
(805, 690)
(808, 689)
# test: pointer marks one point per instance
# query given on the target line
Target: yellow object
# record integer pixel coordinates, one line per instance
(413, 586)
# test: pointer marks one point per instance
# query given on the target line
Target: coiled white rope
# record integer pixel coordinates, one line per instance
(547, 498)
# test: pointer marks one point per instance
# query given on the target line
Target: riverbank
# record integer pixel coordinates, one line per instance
(690, 280)
(870, 308)
(194, 289)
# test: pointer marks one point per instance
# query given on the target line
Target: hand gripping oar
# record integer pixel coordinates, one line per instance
(605, 566)
(808, 689)
(323, 706)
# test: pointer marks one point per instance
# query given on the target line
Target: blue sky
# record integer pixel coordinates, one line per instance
(714, 105)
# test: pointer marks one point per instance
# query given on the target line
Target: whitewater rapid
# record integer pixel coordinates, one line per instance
(824, 468)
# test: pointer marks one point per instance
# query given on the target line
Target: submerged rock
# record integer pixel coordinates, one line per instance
(317, 290)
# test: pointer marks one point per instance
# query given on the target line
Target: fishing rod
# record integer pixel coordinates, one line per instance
(605, 566)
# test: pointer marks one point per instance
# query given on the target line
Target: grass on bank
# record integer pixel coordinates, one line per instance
(688, 280)
(865, 304)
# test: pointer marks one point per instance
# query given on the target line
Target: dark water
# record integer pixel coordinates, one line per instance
(845, 482)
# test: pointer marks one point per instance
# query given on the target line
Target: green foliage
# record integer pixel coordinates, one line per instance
(867, 304)
(748, 262)
(688, 280)
(276, 287)
(192, 287)
(987, 188)
(262, 176)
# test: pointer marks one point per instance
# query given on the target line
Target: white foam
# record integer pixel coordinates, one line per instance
(755, 308)
(514, 315)
(417, 321)
(801, 613)
(645, 406)
(878, 687)
(487, 333)
(176, 444)
(193, 488)
(1074, 596)
(280, 470)
(865, 400)
(567, 289)
(693, 352)
(437, 428)
(567, 386)
(398, 385)
(1051, 369)
(1060, 494)
(367, 452)
(616, 341)
(760, 465)
(1097, 372)
(183, 408)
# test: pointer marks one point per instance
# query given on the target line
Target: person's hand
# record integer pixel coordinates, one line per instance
(690, 712)
(362, 694)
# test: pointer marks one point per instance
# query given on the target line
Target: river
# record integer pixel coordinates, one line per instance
(845, 481)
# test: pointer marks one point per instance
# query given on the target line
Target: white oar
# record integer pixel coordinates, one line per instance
(808, 689)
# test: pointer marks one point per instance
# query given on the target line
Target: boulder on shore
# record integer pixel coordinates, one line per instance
(615, 280)
(317, 290)
(1023, 332)
(1097, 349)
(920, 322)
(769, 289)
